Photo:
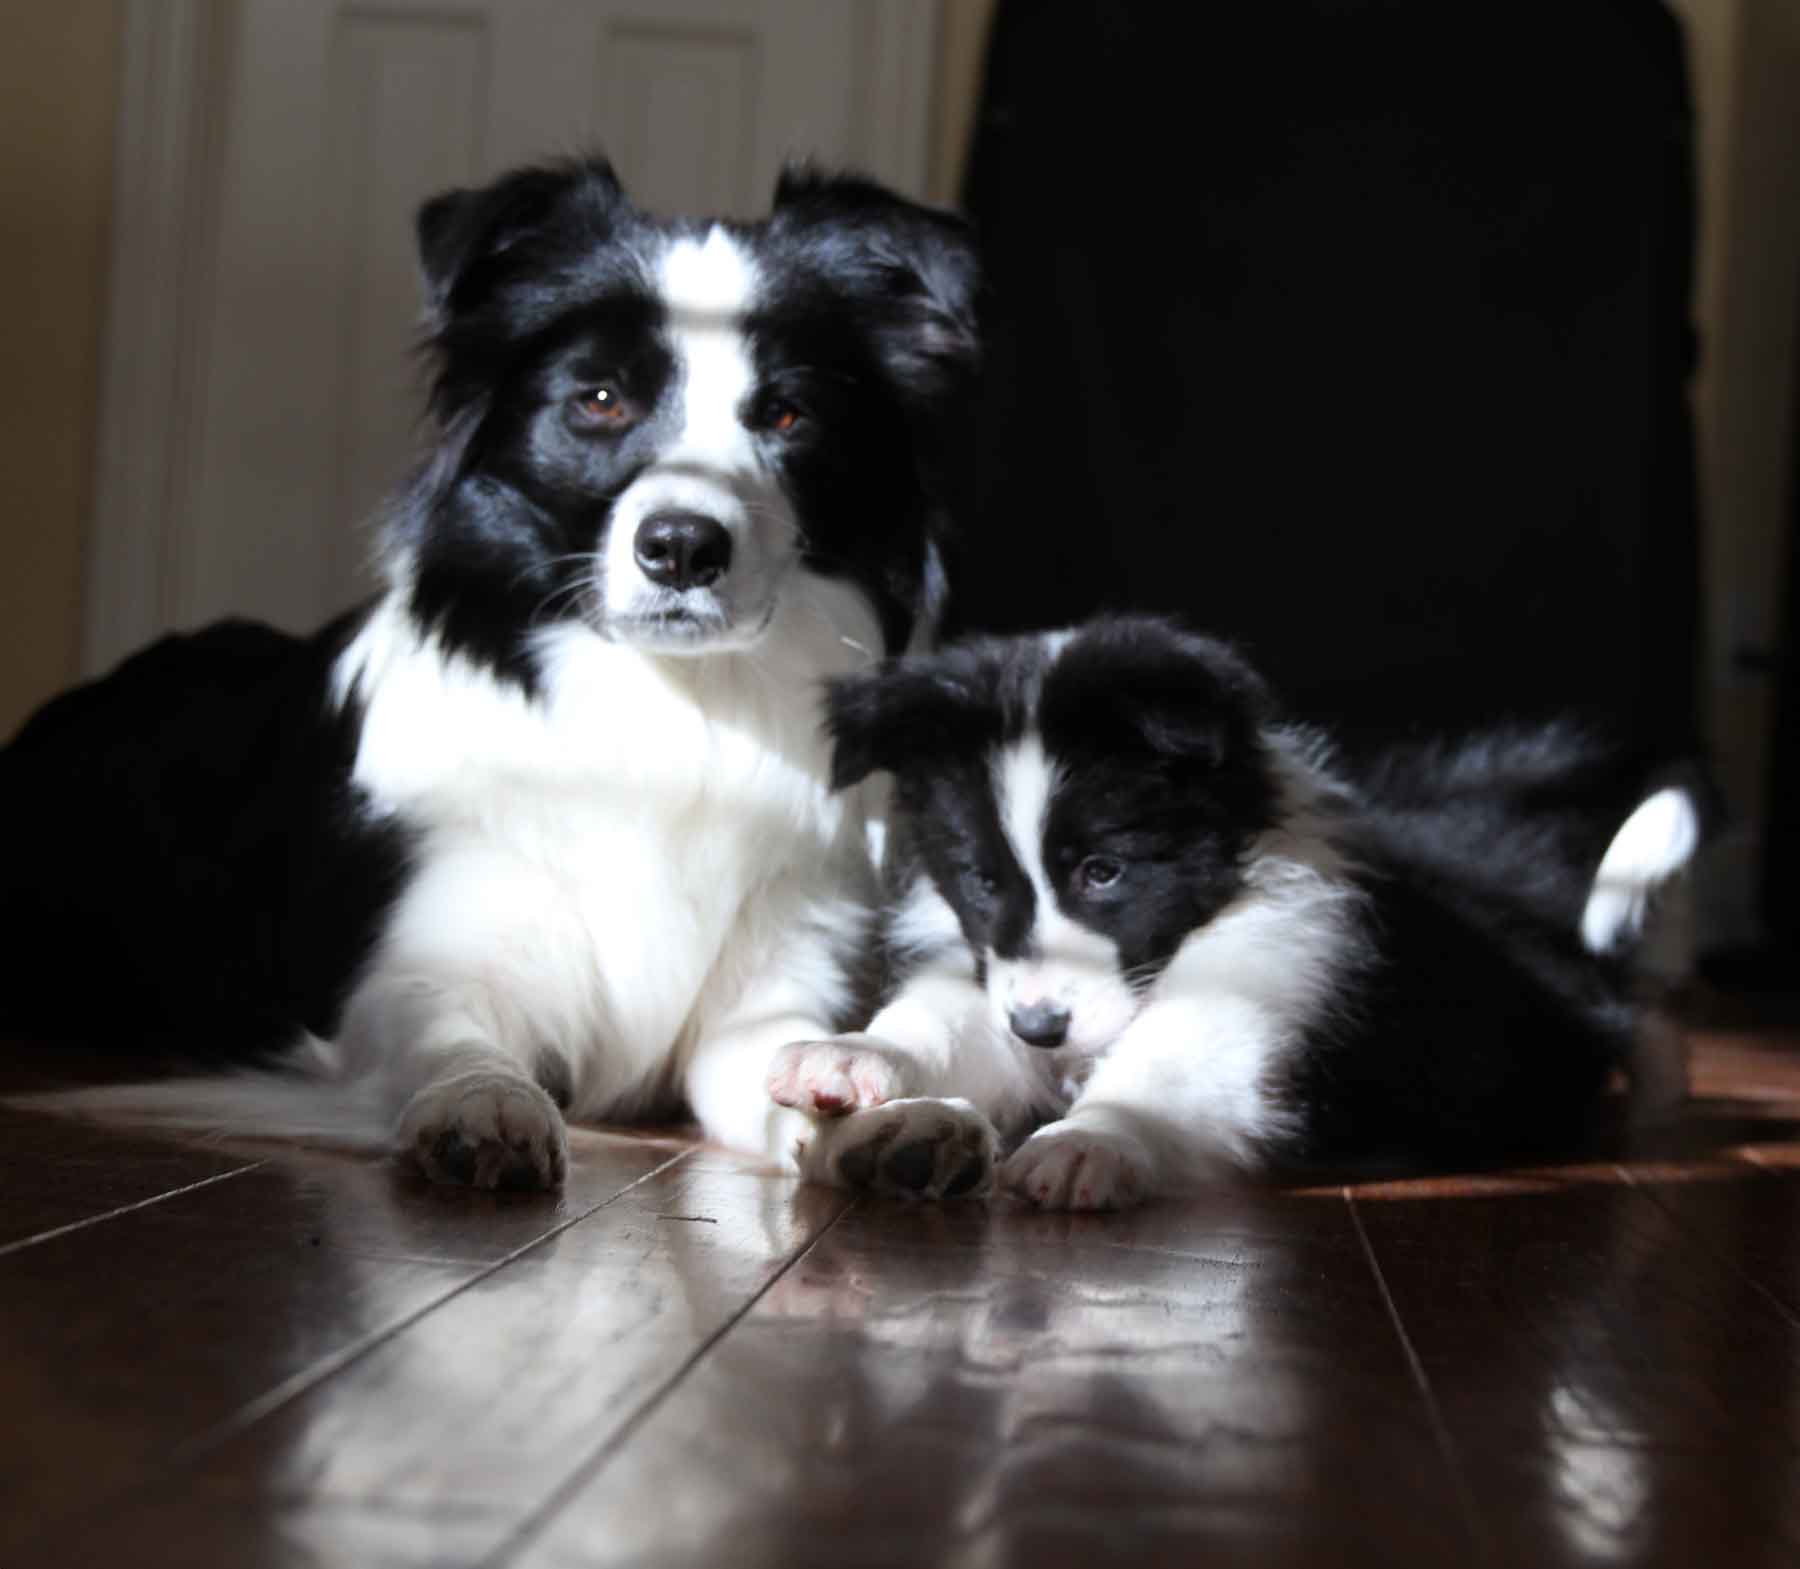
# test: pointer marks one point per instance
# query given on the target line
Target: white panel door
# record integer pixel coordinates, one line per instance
(297, 410)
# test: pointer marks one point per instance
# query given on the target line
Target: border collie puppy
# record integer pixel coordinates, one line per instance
(549, 828)
(1134, 905)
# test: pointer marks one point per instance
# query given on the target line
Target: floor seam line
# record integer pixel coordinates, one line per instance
(1696, 1236)
(541, 1517)
(297, 1384)
(1422, 1382)
(21, 1243)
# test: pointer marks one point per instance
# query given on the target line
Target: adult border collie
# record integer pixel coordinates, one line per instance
(1132, 902)
(549, 827)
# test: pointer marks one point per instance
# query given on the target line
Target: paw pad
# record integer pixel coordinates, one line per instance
(921, 1149)
(486, 1130)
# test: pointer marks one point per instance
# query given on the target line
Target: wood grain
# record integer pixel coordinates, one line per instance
(150, 1335)
(1611, 1391)
(1215, 1378)
(477, 1412)
(241, 1355)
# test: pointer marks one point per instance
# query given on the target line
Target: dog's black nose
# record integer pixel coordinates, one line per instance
(682, 549)
(1040, 1024)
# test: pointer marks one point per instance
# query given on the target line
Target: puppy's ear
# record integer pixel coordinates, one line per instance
(899, 716)
(918, 263)
(1156, 687)
(463, 234)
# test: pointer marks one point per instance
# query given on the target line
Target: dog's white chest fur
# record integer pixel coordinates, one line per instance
(600, 849)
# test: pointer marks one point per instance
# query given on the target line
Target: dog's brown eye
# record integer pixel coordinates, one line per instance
(1098, 873)
(782, 417)
(601, 405)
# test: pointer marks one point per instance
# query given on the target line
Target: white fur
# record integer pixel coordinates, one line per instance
(1159, 1088)
(1186, 1089)
(1175, 1082)
(1656, 842)
(1070, 967)
(712, 467)
(634, 883)
(1640, 899)
(644, 862)
(643, 875)
(1189, 1080)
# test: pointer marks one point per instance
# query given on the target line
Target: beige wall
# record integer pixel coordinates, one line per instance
(1744, 62)
(58, 76)
(962, 56)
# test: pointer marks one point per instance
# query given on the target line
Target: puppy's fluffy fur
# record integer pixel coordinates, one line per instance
(1131, 902)
(549, 827)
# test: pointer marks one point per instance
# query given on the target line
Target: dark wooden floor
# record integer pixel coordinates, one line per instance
(231, 1357)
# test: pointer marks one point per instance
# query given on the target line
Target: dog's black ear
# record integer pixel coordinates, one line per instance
(899, 716)
(910, 273)
(463, 234)
(1147, 684)
(919, 262)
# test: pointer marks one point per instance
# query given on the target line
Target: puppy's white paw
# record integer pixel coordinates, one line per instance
(485, 1129)
(830, 1078)
(1066, 1167)
(916, 1149)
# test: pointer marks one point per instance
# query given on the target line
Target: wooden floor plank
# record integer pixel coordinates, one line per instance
(1612, 1392)
(59, 1172)
(135, 1339)
(379, 1210)
(222, 1355)
(1742, 1212)
(481, 1409)
(1215, 1379)
(1736, 1194)
(259, 1532)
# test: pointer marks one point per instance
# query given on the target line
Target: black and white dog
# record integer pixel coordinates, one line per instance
(550, 826)
(1133, 904)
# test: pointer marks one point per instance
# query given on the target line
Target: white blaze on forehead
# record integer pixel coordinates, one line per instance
(705, 461)
(707, 286)
(1025, 781)
(710, 276)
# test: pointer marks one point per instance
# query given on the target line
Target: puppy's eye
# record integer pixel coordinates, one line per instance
(782, 417)
(600, 407)
(1098, 873)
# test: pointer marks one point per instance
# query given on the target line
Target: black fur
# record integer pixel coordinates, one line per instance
(188, 865)
(1157, 732)
(541, 284)
(1463, 1016)
(186, 860)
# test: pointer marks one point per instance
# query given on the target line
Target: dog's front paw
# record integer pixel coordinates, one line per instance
(485, 1129)
(1066, 1167)
(916, 1149)
(831, 1078)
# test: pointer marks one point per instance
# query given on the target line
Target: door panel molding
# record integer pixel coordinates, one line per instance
(173, 80)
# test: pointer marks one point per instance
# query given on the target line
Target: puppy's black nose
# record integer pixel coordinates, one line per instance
(1040, 1024)
(682, 549)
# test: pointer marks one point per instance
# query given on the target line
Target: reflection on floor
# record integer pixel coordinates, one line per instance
(231, 1356)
